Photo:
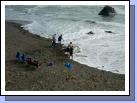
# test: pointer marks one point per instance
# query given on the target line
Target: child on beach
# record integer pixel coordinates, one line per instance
(69, 74)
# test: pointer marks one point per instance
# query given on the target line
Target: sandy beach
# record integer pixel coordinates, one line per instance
(23, 77)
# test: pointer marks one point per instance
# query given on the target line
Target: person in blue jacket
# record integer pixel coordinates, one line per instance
(69, 66)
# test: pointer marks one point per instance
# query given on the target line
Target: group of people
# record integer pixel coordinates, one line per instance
(24, 59)
(68, 50)
(28, 60)
(54, 41)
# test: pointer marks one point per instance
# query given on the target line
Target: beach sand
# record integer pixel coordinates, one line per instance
(23, 77)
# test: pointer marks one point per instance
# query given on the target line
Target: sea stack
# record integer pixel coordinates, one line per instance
(107, 11)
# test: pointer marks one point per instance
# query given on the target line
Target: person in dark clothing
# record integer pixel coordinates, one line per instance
(66, 51)
(53, 40)
(59, 39)
(71, 52)
(70, 46)
(18, 56)
(23, 58)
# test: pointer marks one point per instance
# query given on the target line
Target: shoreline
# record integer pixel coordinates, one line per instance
(35, 46)
(22, 22)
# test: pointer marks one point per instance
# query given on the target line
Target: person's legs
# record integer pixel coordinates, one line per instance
(53, 44)
(71, 54)
(60, 41)
(68, 54)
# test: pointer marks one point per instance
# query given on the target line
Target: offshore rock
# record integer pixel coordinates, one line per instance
(107, 11)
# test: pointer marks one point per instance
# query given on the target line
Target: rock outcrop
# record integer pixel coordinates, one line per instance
(107, 11)
(89, 33)
(108, 31)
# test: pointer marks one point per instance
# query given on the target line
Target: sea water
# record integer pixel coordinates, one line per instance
(102, 50)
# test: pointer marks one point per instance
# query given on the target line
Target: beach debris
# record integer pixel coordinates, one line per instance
(107, 11)
(51, 63)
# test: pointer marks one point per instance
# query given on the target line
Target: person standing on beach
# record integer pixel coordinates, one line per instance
(59, 39)
(70, 46)
(53, 40)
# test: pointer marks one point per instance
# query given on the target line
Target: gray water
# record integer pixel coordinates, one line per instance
(102, 50)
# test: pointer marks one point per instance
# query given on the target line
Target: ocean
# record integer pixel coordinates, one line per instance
(105, 51)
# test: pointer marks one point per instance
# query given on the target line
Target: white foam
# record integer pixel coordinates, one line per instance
(102, 50)
(103, 55)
